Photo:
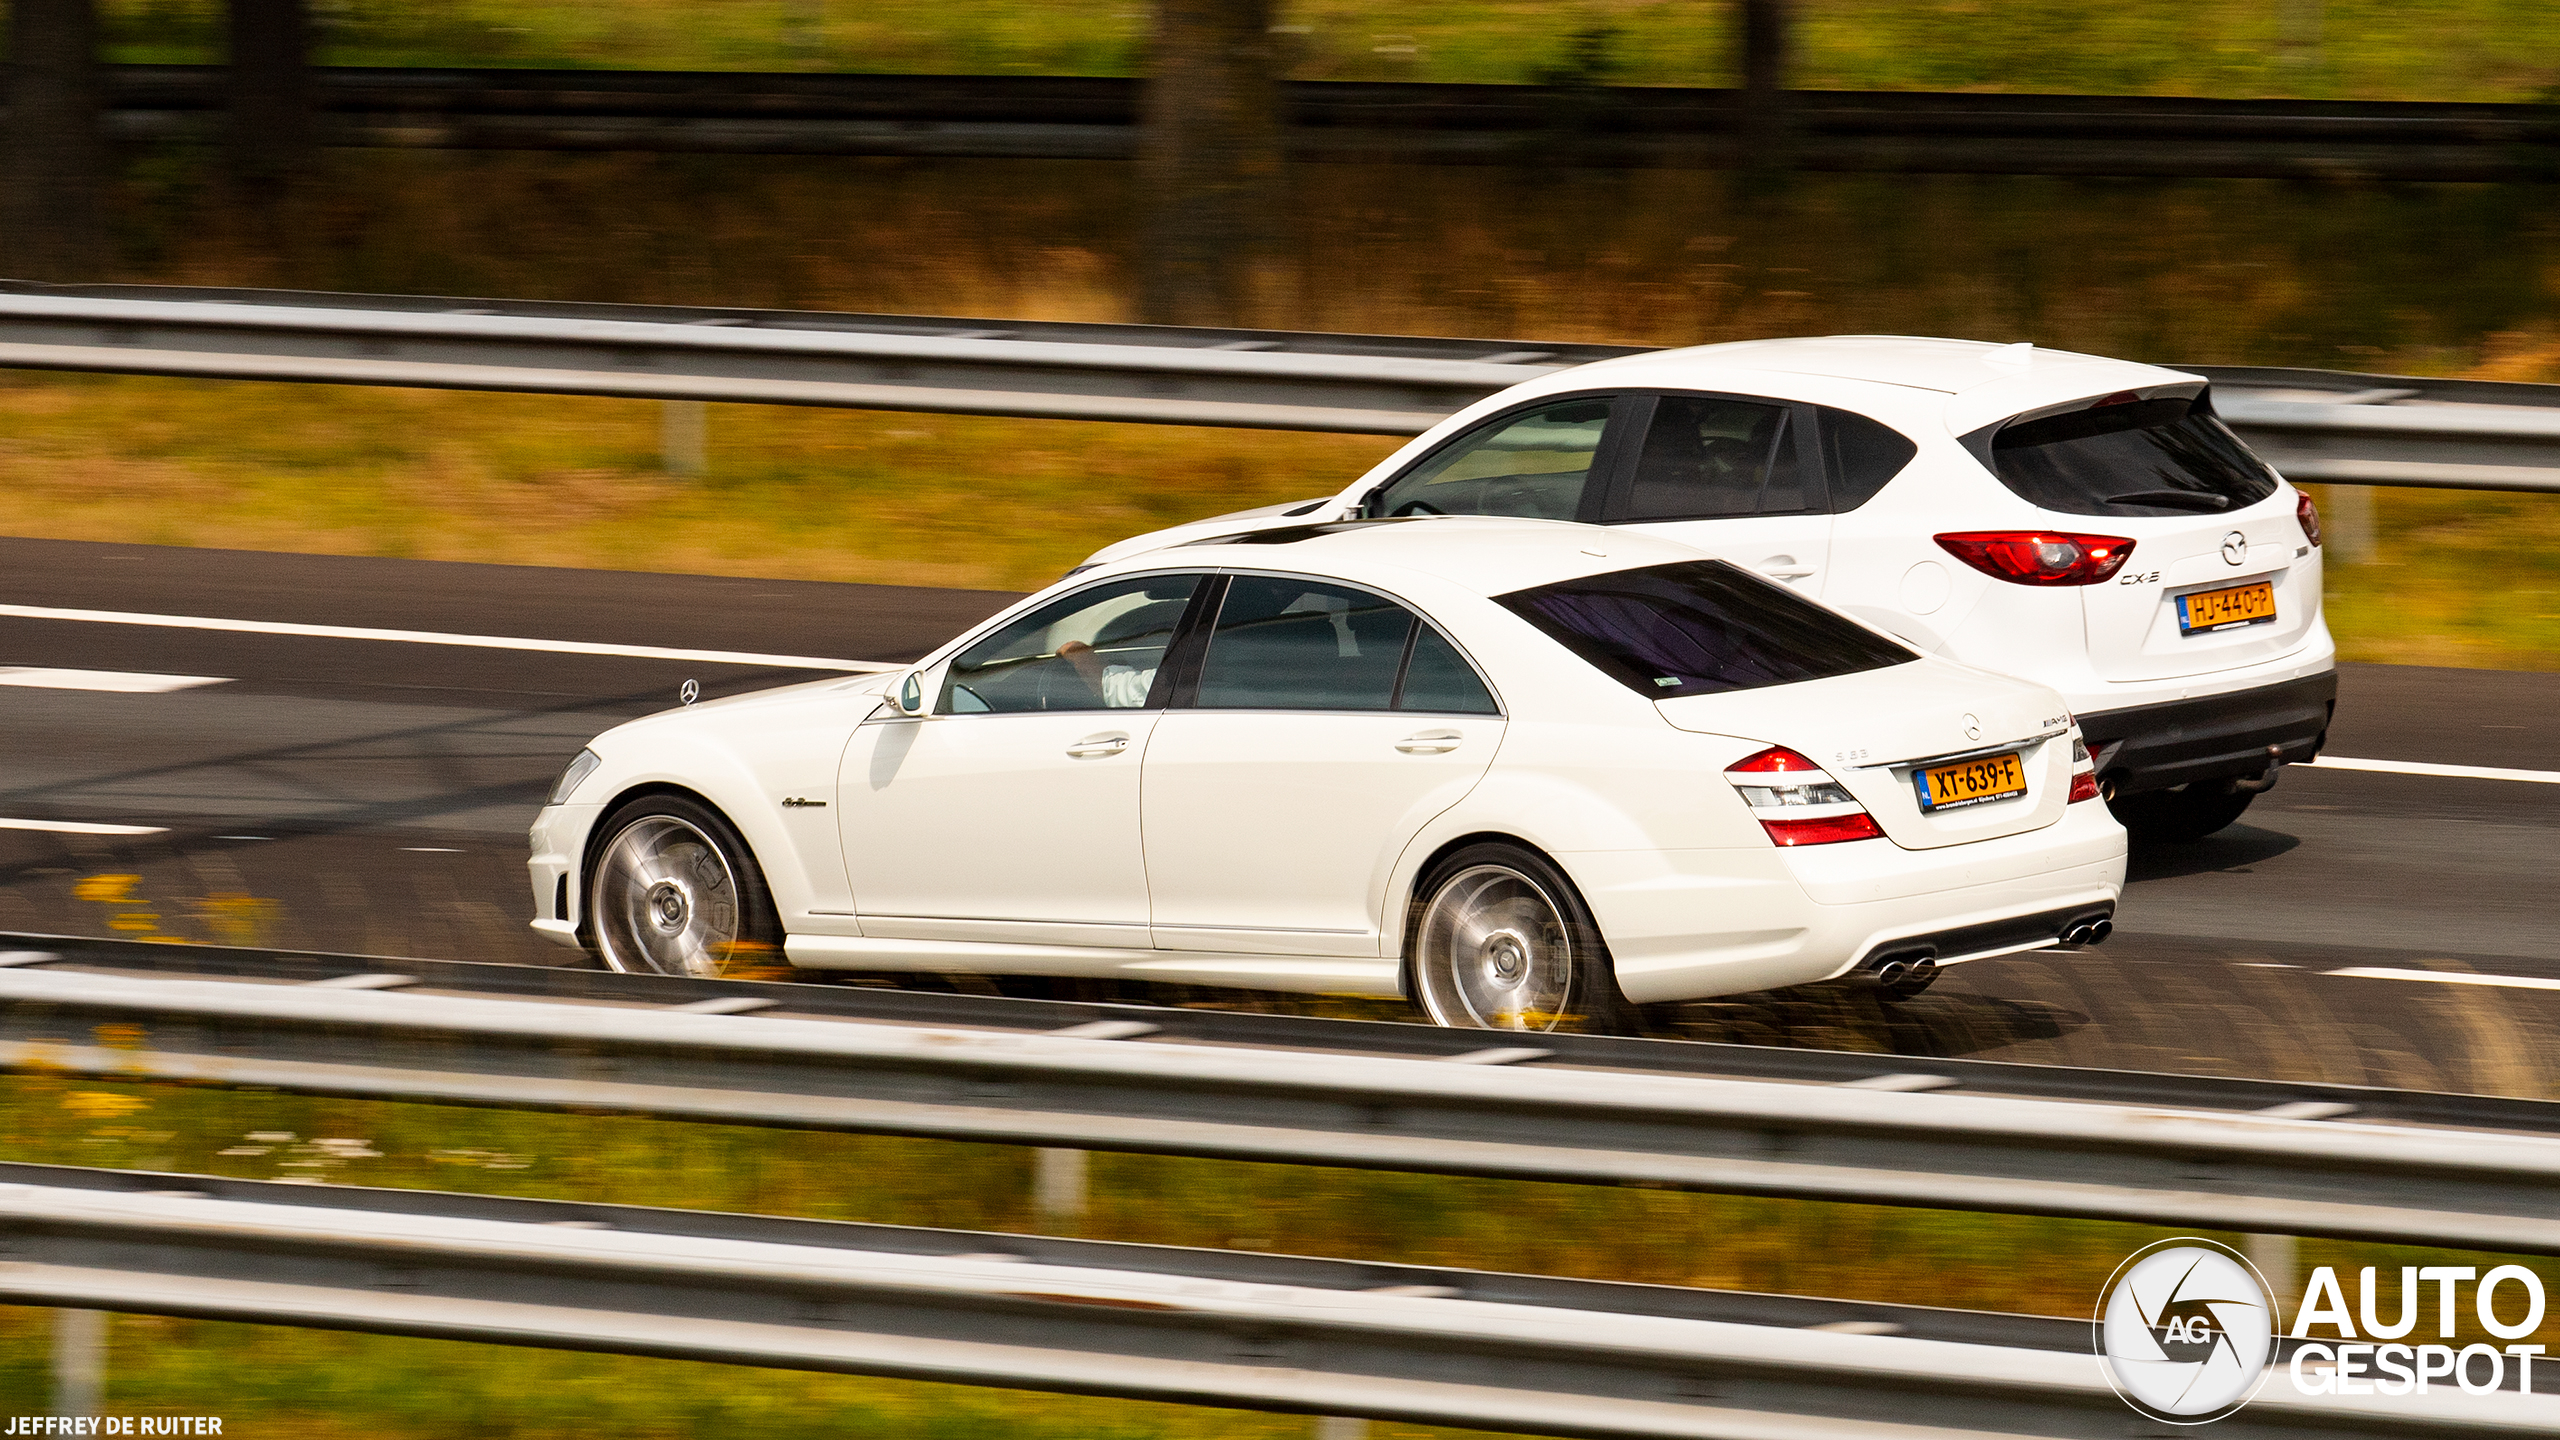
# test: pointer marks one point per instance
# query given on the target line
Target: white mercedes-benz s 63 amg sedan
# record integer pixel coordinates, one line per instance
(1523, 772)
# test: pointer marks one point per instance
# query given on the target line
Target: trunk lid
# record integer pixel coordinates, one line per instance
(1875, 729)
(2132, 620)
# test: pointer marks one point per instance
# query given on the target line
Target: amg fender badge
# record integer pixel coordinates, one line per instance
(795, 802)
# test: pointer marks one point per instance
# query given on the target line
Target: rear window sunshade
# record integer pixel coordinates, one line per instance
(2126, 456)
(1700, 627)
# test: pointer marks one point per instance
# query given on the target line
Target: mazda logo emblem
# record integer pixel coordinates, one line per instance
(2235, 549)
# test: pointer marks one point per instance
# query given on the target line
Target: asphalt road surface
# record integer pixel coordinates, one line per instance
(371, 795)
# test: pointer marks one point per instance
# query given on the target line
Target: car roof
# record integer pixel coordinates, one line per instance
(1965, 383)
(1481, 554)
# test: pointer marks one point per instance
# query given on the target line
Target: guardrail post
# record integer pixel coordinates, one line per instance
(684, 438)
(2279, 1262)
(79, 1361)
(2346, 523)
(1060, 1188)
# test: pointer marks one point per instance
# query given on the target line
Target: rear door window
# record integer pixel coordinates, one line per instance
(1706, 456)
(2127, 456)
(1534, 464)
(1288, 644)
(1701, 627)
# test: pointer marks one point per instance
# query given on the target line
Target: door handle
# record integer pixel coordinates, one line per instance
(1783, 567)
(1095, 746)
(1430, 742)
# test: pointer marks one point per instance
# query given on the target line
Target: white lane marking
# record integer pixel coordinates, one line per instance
(435, 637)
(2448, 977)
(80, 827)
(2422, 767)
(130, 682)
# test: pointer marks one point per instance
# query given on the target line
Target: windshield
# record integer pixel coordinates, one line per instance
(2127, 456)
(1700, 627)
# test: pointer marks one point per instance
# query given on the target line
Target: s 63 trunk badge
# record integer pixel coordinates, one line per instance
(1972, 727)
(2235, 549)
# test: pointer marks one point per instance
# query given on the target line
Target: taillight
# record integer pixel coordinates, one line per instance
(2039, 557)
(1825, 830)
(1797, 801)
(2309, 514)
(2084, 781)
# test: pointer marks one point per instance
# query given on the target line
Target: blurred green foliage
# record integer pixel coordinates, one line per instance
(2365, 49)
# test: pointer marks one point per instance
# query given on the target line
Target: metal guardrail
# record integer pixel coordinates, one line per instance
(1096, 118)
(2288, 1170)
(2325, 426)
(1268, 1332)
(1154, 374)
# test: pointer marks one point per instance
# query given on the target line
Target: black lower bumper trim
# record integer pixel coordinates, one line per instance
(1965, 941)
(2212, 737)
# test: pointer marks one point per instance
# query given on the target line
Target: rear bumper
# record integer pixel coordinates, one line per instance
(2211, 737)
(1686, 924)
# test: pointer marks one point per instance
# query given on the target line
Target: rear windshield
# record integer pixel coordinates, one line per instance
(1700, 627)
(2136, 457)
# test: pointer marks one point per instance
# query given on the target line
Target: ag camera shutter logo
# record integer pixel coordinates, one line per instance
(2184, 1331)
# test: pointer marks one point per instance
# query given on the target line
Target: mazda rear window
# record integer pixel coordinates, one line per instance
(2168, 456)
(1701, 627)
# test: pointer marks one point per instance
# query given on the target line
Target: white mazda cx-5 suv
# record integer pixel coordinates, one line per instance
(2083, 522)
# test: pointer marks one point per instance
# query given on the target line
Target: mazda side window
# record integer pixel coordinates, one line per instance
(1535, 465)
(1706, 457)
(1097, 649)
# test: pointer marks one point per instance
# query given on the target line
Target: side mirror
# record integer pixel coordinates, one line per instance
(910, 694)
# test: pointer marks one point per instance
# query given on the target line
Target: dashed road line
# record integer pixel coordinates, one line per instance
(2447, 977)
(81, 827)
(437, 637)
(129, 682)
(2423, 767)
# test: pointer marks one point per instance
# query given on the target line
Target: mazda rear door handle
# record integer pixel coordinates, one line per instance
(1430, 742)
(1094, 746)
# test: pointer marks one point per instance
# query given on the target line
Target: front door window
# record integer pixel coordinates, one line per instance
(1536, 464)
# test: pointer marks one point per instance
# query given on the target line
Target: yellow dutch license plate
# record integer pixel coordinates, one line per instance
(2206, 611)
(1971, 782)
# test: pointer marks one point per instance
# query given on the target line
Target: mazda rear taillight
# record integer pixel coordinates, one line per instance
(1797, 801)
(2309, 515)
(2039, 557)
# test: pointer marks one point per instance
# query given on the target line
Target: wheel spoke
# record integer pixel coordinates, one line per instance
(665, 900)
(1493, 952)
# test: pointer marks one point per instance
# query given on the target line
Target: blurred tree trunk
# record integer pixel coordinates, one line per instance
(54, 166)
(1209, 158)
(271, 130)
(1767, 50)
